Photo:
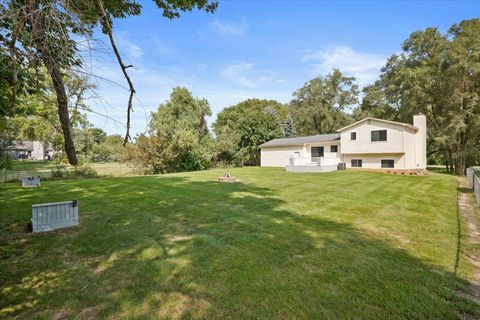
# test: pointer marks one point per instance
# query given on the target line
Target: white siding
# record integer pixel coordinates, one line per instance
(374, 161)
(363, 143)
(37, 152)
(326, 149)
(278, 156)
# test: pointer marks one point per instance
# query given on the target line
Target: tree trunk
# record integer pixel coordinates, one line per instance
(446, 159)
(39, 36)
(460, 165)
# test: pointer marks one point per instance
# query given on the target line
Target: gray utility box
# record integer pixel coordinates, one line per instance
(32, 181)
(51, 216)
(342, 166)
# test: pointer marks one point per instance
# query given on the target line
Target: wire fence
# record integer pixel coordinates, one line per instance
(47, 169)
(474, 181)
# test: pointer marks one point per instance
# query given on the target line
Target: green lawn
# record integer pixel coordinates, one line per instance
(44, 169)
(343, 245)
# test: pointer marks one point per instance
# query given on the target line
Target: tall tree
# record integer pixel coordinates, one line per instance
(320, 105)
(439, 75)
(375, 104)
(179, 137)
(36, 116)
(289, 129)
(44, 32)
(244, 126)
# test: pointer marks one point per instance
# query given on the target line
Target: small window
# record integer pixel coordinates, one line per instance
(379, 135)
(356, 163)
(388, 163)
(334, 148)
(353, 136)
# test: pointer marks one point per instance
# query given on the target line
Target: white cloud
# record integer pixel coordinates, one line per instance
(246, 75)
(162, 47)
(238, 73)
(229, 28)
(364, 66)
(201, 66)
(126, 45)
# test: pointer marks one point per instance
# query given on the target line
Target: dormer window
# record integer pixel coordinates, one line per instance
(353, 136)
(379, 135)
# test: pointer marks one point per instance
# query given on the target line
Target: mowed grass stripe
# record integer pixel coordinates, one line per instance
(343, 245)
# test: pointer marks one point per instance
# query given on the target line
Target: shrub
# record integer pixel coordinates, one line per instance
(60, 172)
(83, 172)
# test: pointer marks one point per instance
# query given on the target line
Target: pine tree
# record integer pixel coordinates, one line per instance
(289, 129)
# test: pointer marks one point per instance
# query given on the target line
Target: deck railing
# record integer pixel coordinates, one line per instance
(313, 161)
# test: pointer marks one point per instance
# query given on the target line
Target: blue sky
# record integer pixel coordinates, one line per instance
(254, 49)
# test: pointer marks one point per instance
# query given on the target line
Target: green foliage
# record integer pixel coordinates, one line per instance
(44, 33)
(111, 149)
(439, 75)
(289, 128)
(83, 171)
(375, 104)
(179, 138)
(5, 160)
(77, 172)
(240, 129)
(320, 105)
(60, 171)
(87, 139)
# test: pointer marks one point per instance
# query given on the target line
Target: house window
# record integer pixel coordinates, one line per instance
(388, 163)
(356, 163)
(353, 136)
(379, 135)
(334, 148)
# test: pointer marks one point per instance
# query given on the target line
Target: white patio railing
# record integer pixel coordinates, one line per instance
(313, 161)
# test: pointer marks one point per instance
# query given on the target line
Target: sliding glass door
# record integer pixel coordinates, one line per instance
(317, 152)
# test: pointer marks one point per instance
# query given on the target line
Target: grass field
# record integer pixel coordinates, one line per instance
(44, 169)
(342, 245)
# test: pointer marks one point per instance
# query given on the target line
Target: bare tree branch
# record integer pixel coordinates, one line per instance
(108, 29)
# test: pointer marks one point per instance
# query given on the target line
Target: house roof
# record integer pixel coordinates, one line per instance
(381, 120)
(21, 145)
(300, 141)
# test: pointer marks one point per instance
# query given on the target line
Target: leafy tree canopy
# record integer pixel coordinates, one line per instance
(320, 105)
(246, 125)
(439, 75)
(179, 137)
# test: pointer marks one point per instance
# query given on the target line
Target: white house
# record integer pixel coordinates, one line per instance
(30, 150)
(369, 143)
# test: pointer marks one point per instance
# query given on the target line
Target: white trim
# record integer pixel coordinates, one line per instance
(381, 120)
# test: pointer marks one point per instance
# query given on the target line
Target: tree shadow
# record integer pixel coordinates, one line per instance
(464, 190)
(173, 247)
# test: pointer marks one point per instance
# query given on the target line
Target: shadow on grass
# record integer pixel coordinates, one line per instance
(171, 247)
(465, 190)
(439, 169)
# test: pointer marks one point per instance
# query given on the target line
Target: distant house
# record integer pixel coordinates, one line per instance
(369, 143)
(30, 150)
